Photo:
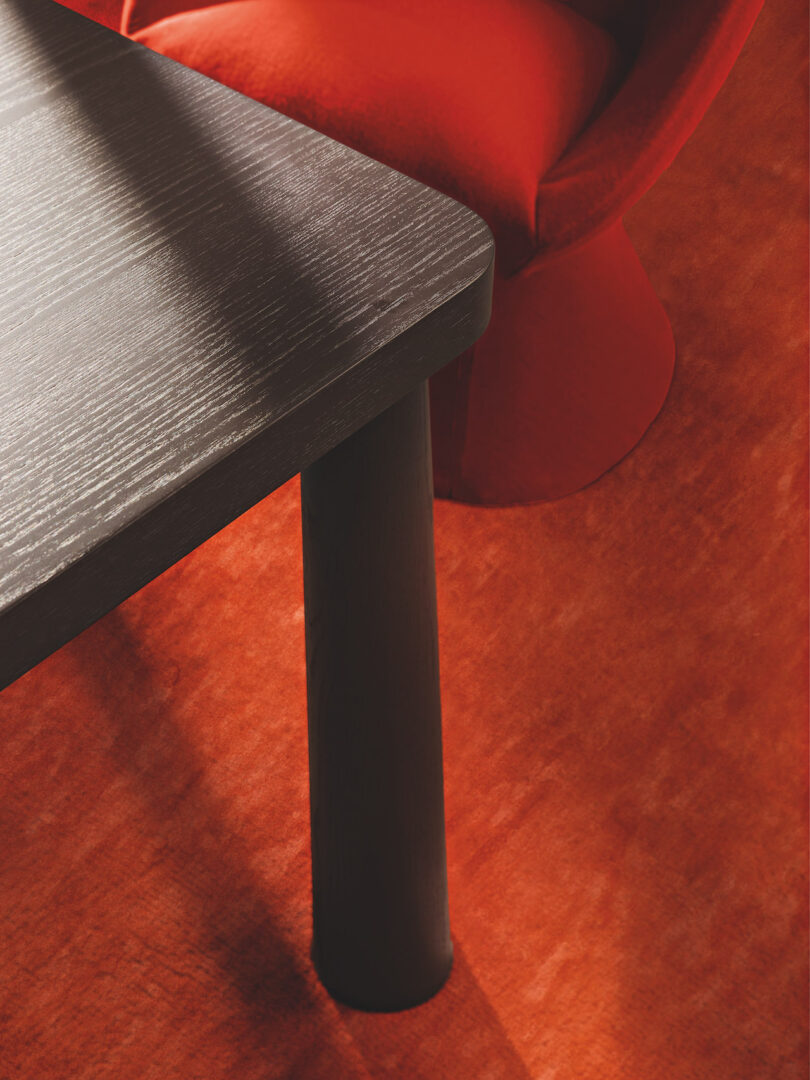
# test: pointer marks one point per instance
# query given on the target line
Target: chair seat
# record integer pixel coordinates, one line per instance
(477, 98)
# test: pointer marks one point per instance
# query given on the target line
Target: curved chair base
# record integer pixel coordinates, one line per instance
(574, 367)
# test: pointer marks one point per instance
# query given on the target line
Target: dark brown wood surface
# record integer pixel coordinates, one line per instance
(198, 298)
(379, 880)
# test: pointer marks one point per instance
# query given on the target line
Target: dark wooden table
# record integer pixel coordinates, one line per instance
(200, 298)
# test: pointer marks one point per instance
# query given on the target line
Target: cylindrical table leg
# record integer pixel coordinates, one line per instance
(381, 928)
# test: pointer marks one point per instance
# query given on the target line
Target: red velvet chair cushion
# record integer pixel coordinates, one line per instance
(475, 98)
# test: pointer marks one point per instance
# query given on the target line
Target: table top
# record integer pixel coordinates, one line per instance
(198, 298)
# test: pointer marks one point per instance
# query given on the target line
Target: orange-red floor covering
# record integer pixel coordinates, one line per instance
(624, 698)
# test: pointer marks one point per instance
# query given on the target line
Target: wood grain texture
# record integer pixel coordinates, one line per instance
(198, 298)
(381, 936)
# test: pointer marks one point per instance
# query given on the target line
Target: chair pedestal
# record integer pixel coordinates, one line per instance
(574, 367)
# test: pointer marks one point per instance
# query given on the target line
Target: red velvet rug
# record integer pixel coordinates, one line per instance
(625, 717)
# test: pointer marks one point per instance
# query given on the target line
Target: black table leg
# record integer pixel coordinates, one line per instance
(381, 928)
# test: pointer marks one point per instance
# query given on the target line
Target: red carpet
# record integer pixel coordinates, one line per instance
(625, 718)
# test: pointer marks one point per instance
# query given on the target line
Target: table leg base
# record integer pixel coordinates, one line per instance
(378, 1002)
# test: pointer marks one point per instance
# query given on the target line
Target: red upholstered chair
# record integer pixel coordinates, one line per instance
(549, 119)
